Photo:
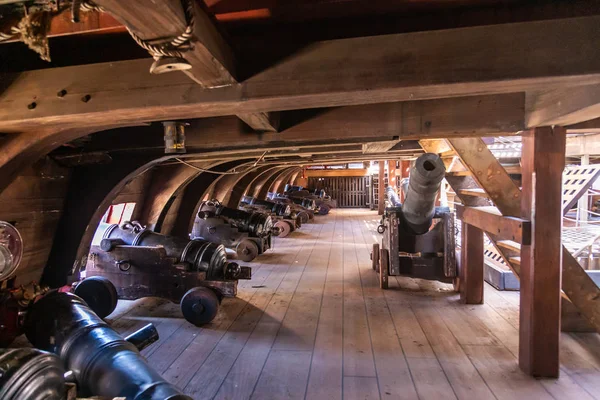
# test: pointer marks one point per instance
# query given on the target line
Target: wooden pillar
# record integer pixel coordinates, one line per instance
(543, 161)
(381, 188)
(583, 204)
(471, 265)
(392, 174)
(404, 172)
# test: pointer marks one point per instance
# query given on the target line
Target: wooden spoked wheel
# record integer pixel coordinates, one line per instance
(375, 257)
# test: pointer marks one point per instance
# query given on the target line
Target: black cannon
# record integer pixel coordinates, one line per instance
(76, 354)
(133, 262)
(286, 221)
(69, 336)
(323, 203)
(303, 208)
(410, 245)
(248, 233)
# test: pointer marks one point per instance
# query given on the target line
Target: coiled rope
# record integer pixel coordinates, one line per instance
(172, 47)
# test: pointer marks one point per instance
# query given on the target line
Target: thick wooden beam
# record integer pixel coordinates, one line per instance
(479, 115)
(211, 59)
(466, 116)
(82, 214)
(262, 190)
(265, 178)
(166, 181)
(381, 188)
(279, 184)
(489, 174)
(576, 283)
(591, 126)
(192, 192)
(460, 62)
(471, 266)
(261, 121)
(565, 106)
(543, 161)
(489, 219)
(242, 186)
(335, 172)
(583, 144)
(378, 147)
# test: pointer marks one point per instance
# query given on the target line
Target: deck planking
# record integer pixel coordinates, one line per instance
(313, 324)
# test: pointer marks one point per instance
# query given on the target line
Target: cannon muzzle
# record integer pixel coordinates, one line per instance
(424, 183)
(103, 362)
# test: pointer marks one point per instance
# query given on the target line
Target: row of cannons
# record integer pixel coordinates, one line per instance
(75, 353)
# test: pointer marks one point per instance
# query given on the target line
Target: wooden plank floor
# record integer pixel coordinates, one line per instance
(313, 324)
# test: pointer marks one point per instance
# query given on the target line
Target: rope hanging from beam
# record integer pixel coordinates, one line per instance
(172, 47)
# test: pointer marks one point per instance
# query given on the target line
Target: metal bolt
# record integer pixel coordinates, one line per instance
(32, 105)
(61, 93)
(86, 98)
(428, 124)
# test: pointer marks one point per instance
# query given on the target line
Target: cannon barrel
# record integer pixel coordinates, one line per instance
(425, 179)
(104, 364)
(282, 210)
(201, 255)
(304, 202)
(253, 223)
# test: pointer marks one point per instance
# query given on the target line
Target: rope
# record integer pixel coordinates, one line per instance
(216, 172)
(172, 48)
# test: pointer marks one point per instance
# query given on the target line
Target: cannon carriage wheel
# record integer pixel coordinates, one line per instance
(99, 293)
(247, 250)
(375, 257)
(384, 267)
(200, 305)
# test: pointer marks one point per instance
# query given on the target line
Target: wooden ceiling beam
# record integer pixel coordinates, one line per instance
(378, 69)
(565, 106)
(211, 59)
(495, 115)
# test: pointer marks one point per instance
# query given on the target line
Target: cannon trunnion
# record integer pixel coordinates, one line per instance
(133, 262)
(248, 233)
(410, 245)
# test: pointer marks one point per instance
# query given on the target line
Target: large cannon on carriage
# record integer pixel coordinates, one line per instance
(247, 233)
(418, 237)
(131, 262)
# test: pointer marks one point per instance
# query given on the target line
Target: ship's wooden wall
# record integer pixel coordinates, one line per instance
(171, 215)
(34, 204)
(135, 192)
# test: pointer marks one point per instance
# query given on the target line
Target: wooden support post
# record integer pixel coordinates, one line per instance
(405, 168)
(471, 265)
(392, 174)
(381, 188)
(583, 205)
(543, 160)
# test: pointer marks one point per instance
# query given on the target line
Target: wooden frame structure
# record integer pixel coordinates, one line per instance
(521, 226)
(331, 101)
